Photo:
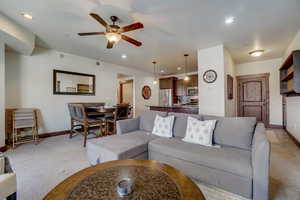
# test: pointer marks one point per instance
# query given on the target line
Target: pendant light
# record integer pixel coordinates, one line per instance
(154, 71)
(186, 77)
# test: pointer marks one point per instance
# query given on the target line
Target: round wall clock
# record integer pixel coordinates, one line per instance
(210, 76)
(146, 92)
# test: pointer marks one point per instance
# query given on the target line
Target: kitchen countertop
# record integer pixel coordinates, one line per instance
(191, 109)
(175, 106)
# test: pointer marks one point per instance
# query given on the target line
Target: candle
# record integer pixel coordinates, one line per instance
(124, 187)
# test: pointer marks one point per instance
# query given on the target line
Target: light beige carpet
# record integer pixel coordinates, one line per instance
(41, 167)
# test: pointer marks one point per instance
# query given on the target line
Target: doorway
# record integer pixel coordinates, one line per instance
(253, 97)
(126, 92)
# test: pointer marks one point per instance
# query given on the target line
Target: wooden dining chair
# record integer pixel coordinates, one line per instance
(80, 120)
(111, 122)
(123, 111)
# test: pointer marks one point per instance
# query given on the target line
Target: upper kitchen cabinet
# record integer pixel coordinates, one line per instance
(167, 83)
(193, 82)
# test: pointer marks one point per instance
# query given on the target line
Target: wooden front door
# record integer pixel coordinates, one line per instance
(253, 97)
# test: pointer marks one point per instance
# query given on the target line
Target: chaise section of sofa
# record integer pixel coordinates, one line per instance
(131, 141)
(239, 163)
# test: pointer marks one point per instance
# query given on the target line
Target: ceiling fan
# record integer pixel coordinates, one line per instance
(113, 32)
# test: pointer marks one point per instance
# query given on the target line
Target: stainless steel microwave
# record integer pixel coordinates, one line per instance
(192, 91)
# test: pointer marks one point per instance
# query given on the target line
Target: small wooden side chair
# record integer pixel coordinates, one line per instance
(24, 119)
(79, 118)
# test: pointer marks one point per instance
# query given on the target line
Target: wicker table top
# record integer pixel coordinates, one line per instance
(151, 181)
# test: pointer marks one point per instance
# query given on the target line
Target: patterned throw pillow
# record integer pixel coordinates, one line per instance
(163, 126)
(199, 132)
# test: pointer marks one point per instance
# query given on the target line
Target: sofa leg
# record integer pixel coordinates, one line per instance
(12, 196)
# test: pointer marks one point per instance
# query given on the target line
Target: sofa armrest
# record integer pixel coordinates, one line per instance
(260, 163)
(128, 125)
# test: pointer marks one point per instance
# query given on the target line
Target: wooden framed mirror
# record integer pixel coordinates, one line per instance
(73, 83)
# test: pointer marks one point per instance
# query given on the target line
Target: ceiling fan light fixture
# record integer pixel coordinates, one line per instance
(113, 37)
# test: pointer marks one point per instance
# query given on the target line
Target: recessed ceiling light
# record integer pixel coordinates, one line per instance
(124, 56)
(26, 15)
(229, 20)
(178, 68)
(256, 53)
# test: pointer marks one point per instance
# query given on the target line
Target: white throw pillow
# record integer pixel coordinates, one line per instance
(199, 132)
(163, 126)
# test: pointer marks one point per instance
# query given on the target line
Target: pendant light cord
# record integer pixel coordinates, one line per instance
(186, 63)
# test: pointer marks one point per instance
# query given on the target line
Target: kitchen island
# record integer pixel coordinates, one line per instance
(190, 109)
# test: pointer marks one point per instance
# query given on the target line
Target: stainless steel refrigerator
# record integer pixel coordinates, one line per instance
(165, 97)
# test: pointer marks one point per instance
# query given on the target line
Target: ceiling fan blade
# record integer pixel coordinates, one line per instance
(110, 45)
(131, 40)
(99, 19)
(131, 27)
(91, 33)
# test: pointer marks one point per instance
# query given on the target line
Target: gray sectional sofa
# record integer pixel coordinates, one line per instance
(239, 165)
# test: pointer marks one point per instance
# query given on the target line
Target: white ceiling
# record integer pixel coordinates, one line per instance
(172, 28)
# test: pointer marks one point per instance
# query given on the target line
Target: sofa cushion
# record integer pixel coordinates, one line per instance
(235, 132)
(180, 123)
(208, 176)
(147, 119)
(231, 160)
(118, 147)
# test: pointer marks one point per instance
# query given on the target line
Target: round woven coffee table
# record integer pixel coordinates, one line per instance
(151, 181)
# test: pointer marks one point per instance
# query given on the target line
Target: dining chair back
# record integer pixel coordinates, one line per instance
(123, 111)
(80, 120)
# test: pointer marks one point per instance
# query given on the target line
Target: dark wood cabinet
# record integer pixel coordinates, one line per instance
(290, 75)
(182, 85)
(193, 82)
(167, 83)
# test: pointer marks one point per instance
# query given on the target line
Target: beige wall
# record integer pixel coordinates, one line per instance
(293, 103)
(29, 84)
(213, 97)
(2, 94)
(272, 67)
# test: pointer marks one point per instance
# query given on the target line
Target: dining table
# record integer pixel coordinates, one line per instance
(103, 113)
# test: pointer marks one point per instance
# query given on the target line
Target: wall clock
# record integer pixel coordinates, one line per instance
(146, 92)
(210, 76)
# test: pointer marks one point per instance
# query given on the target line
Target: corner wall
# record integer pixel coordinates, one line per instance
(2, 94)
